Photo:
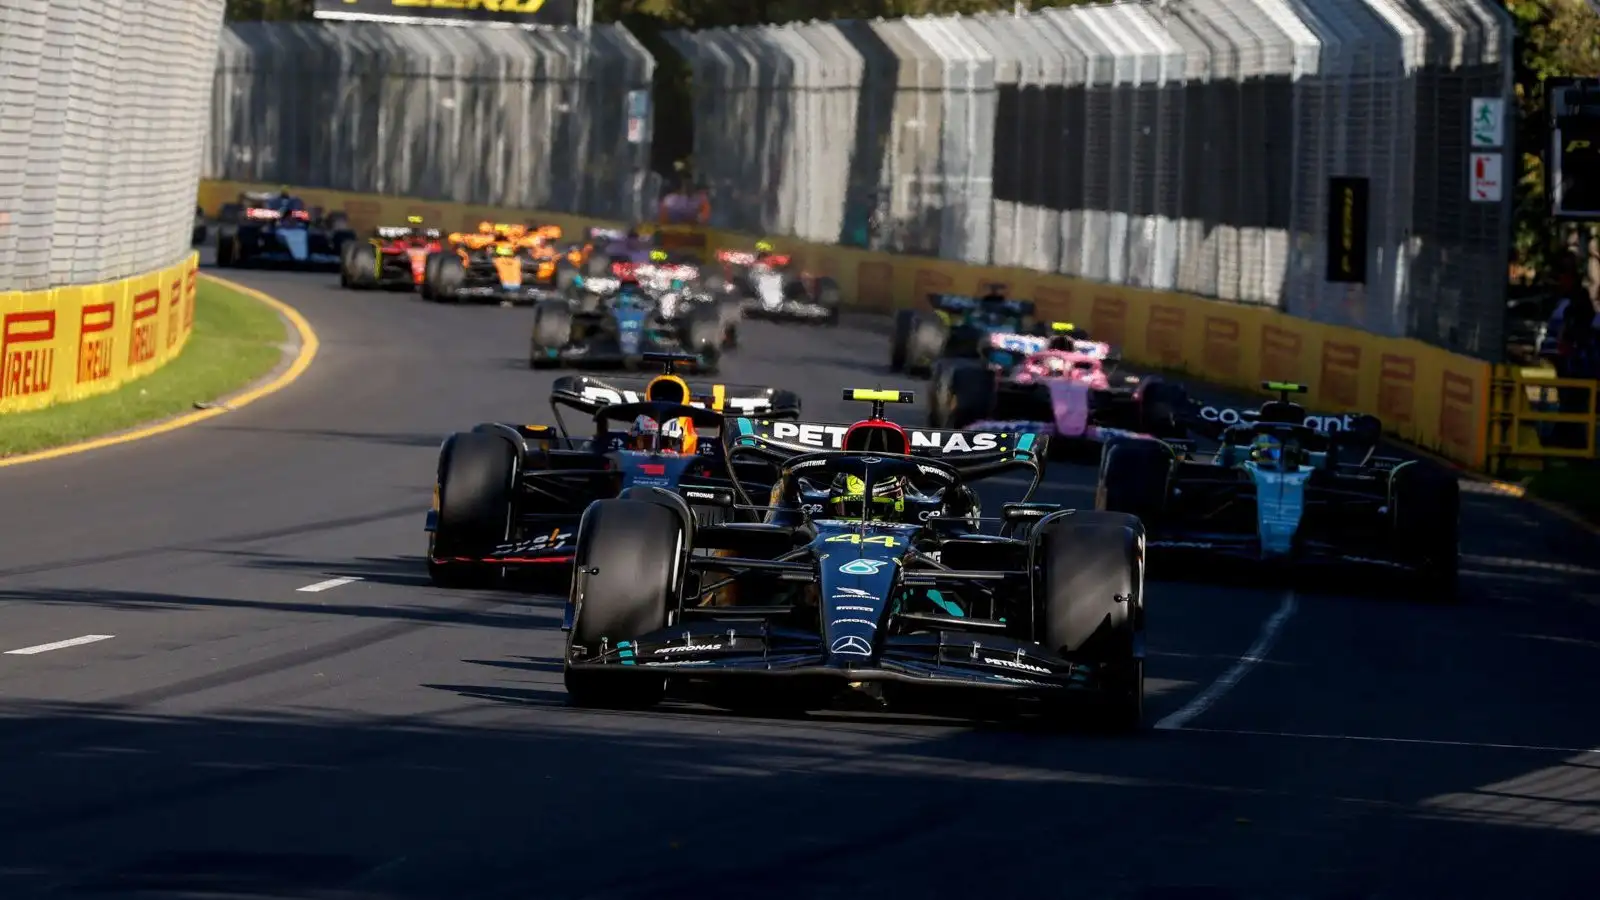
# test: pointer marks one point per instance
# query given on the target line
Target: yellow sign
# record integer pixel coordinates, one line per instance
(69, 343)
(883, 540)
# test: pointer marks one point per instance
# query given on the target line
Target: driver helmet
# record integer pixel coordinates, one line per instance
(847, 499)
(675, 436)
(1266, 449)
(1052, 366)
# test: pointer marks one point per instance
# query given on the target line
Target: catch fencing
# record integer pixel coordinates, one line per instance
(1182, 145)
(102, 117)
(505, 117)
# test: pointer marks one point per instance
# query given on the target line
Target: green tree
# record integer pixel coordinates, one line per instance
(1554, 38)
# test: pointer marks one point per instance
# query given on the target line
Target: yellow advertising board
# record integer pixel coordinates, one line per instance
(69, 343)
(1427, 396)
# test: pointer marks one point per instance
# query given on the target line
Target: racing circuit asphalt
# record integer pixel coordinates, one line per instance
(239, 736)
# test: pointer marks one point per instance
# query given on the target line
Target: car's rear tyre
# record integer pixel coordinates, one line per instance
(552, 329)
(629, 566)
(901, 337)
(924, 345)
(969, 394)
(830, 298)
(1091, 585)
(1425, 513)
(477, 481)
(1134, 476)
(360, 264)
(448, 276)
(1159, 403)
(227, 247)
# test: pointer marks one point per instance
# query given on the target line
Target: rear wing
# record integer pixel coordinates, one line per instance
(1220, 418)
(974, 454)
(962, 303)
(948, 445)
(589, 394)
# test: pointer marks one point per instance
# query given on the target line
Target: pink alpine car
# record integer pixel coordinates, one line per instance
(1067, 394)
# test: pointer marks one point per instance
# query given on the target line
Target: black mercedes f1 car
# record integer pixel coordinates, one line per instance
(889, 583)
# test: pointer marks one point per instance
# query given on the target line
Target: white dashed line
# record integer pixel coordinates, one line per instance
(325, 585)
(58, 645)
(1224, 683)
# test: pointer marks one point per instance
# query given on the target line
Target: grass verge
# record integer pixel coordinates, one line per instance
(1577, 487)
(236, 340)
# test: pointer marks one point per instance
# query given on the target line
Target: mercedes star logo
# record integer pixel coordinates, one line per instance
(850, 645)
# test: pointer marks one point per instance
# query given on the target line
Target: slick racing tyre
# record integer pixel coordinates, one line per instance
(962, 394)
(552, 330)
(903, 321)
(448, 277)
(703, 333)
(359, 265)
(1091, 588)
(1159, 403)
(430, 269)
(1425, 515)
(630, 558)
(477, 475)
(829, 297)
(1133, 478)
(925, 345)
(227, 246)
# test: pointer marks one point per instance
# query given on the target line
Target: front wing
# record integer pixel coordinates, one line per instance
(788, 309)
(755, 649)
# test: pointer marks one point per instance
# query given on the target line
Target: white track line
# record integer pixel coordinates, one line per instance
(1225, 682)
(1370, 739)
(73, 642)
(325, 585)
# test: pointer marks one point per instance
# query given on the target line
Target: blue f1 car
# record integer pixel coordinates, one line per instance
(1278, 490)
(278, 230)
(864, 567)
(510, 496)
(962, 327)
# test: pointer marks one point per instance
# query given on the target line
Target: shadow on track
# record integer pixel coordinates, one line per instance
(548, 802)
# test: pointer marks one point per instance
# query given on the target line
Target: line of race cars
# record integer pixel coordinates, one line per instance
(717, 540)
(603, 301)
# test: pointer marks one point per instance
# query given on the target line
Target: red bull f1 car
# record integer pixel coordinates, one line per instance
(511, 496)
(396, 256)
(862, 568)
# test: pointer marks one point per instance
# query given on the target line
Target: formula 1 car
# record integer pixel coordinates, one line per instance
(620, 327)
(506, 263)
(396, 256)
(1067, 393)
(866, 568)
(770, 286)
(278, 229)
(961, 327)
(511, 496)
(1280, 491)
(676, 283)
